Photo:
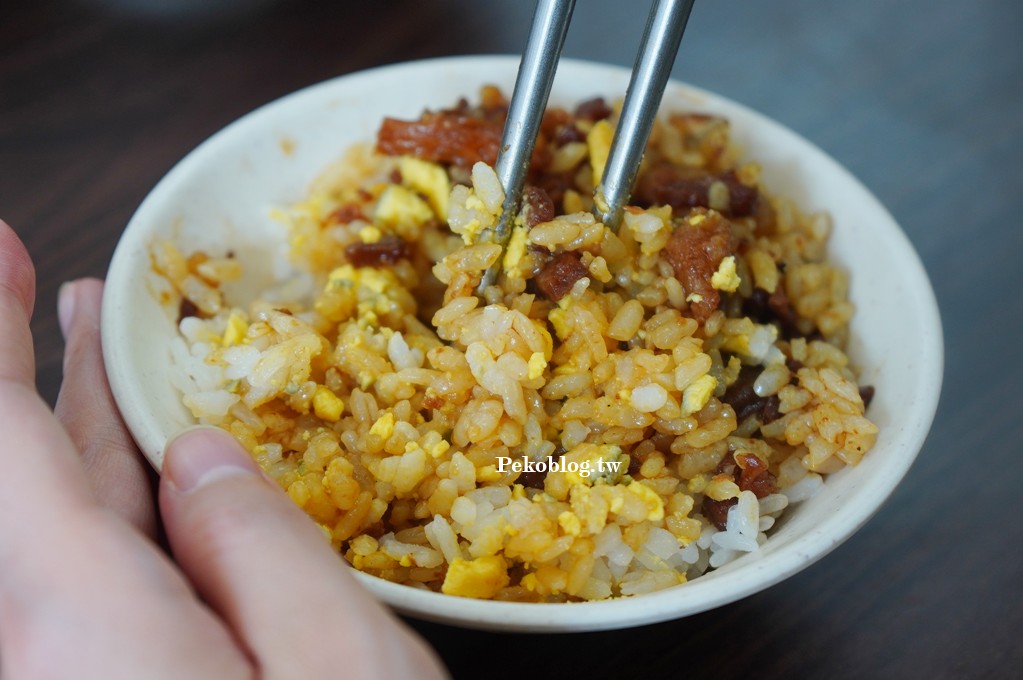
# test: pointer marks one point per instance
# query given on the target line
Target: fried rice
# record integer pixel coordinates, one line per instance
(618, 414)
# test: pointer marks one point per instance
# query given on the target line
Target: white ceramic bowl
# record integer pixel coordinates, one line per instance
(220, 197)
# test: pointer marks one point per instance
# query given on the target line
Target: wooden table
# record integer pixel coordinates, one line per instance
(922, 100)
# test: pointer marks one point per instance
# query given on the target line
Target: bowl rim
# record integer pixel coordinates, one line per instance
(701, 594)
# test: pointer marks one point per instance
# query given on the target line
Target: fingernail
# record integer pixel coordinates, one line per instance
(66, 307)
(201, 455)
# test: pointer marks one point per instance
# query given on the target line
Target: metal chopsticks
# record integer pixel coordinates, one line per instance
(525, 111)
(657, 51)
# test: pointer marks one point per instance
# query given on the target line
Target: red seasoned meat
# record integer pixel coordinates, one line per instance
(559, 275)
(445, 137)
(754, 475)
(387, 251)
(717, 511)
(537, 206)
(695, 252)
(667, 184)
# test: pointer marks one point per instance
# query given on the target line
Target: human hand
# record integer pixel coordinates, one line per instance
(85, 592)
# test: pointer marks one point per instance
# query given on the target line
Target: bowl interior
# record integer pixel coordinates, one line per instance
(220, 198)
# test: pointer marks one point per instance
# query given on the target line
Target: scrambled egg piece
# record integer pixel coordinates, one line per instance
(377, 280)
(754, 346)
(481, 578)
(537, 363)
(430, 180)
(572, 202)
(370, 285)
(698, 393)
(439, 449)
(598, 140)
(488, 473)
(726, 278)
(384, 426)
(569, 521)
(732, 368)
(559, 319)
(529, 582)
(327, 405)
(515, 251)
(369, 234)
(653, 502)
(401, 208)
(236, 329)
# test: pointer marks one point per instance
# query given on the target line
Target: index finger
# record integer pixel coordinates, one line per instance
(42, 476)
(17, 296)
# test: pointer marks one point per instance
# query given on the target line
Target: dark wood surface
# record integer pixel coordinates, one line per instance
(922, 100)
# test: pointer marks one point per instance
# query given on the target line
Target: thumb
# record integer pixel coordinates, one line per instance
(268, 571)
